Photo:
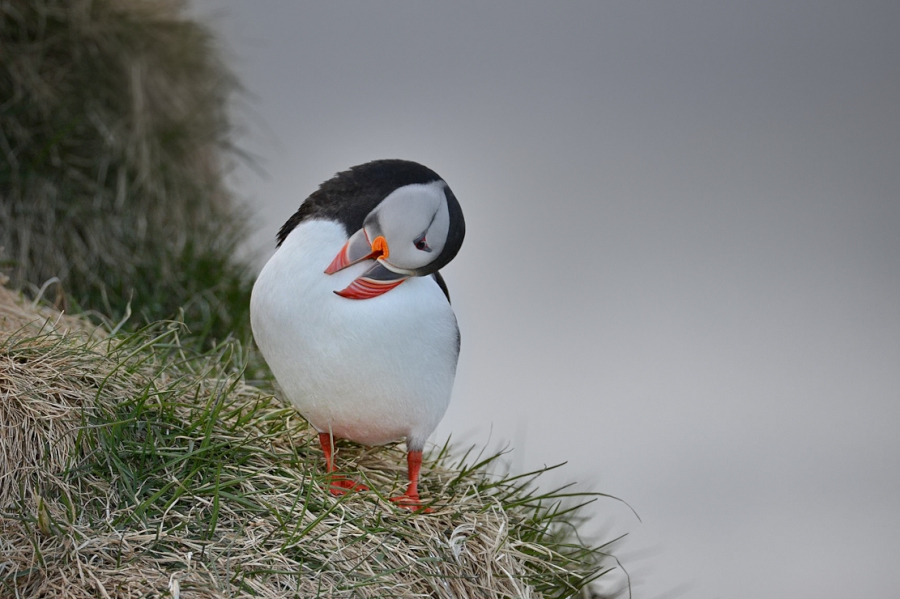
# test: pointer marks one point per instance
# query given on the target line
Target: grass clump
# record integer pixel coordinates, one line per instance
(134, 468)
(114, 138)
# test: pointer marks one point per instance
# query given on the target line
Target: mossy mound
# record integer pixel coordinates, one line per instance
(114, 138)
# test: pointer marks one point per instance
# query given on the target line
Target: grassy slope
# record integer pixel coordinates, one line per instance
(114, 138)
(130, 468)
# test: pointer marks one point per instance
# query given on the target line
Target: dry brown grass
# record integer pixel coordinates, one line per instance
(131, 469)
(39, 412)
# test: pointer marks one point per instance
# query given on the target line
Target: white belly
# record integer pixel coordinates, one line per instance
(371, 371)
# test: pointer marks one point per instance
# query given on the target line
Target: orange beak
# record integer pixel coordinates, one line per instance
(358, 249)
(376, 281)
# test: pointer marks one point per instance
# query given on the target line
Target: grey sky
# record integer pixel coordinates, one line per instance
(682, 266)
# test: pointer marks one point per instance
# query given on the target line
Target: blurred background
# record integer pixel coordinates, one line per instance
(682, 267)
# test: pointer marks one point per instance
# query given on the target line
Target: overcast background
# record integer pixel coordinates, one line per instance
(682, 265)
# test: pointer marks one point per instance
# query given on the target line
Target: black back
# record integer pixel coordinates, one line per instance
(349, 196)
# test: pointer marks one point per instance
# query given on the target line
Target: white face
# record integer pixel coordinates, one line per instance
(414, 221)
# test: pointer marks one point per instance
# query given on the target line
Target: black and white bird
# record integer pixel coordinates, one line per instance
(352, 315)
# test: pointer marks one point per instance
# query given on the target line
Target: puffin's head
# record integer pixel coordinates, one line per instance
(414, 231)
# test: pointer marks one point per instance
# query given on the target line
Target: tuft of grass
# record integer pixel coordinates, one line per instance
(143, 468)
(114, 139)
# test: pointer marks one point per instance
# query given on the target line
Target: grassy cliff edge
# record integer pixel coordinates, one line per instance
(130, 467)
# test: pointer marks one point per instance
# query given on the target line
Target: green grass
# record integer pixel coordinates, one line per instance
(162, 464)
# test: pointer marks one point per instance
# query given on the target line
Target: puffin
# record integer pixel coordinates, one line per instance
(353, 317)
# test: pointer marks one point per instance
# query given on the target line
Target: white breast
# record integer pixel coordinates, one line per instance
(372, 370)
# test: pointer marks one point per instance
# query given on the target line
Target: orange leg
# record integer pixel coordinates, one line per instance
(338, 485)
(410, 500)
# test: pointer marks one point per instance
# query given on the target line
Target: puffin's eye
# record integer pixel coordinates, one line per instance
(421, 243)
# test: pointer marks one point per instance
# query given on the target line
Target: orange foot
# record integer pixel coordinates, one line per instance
(338, 485)
(411, 501)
